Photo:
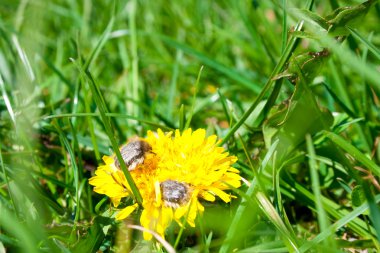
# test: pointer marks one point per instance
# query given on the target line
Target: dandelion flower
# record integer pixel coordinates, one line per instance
(177, 172)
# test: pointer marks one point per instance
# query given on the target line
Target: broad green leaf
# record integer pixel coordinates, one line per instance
(293, 120)
(309, 64)
(347, 16)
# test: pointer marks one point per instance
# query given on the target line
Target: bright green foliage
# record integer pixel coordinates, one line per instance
(290, 87)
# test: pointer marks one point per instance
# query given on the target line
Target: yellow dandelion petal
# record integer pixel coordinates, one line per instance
(126, 212)
(200, 207)
(189, 212)
(221, 194)
(145, 220)
(164, 220)
(232, 179)
(198, 137)
(106, 182)
(157, 190)
(207, 196)
(233, 170)
(156, 219)
(115, 201)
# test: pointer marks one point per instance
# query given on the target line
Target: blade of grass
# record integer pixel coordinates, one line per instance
(280, 65)
(269, 247)
(8, 241)
(271, 213)
(99, 100)
(76, 206)
(277, 198)
(182, 118)
(337, 99)
(284, 57)
(296, 191)
(225, 107)
(19, 230)
(173, 82)
(24, 58)
(286, 53)
(322, 217)
(91, 128)
(336, 226)
(47, 198)
(284, 26)
(347, 58)
(116, 115)
(188, 121)
(246, 202)
(208, 61)
(354, 152)
(132, 108)
(264, 40)
(338, 84)
(366, 43)
(7, 101)
(59, 73)
(7, 182)
(100, 44)
(239, 216)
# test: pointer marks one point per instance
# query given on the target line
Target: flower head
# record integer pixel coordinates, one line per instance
(176, 172)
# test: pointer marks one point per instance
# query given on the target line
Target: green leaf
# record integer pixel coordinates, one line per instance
(347, 16)
(290, 122)
(313, 17)
(280, 65)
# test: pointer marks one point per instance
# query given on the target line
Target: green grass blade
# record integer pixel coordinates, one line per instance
(103, 39)
(354, 152)
(367, 43)
(245, 207)
(24, 58)
(134, 91)
(349, 59)
(7, 101)
(87, 101)
(280, 65)
(284, 26)
(208, 61)
(314, 172)
(173, 82)
(227, 112)
(115, 115)
(5, 176)
(336, 226)
(273, 216)
(333, 209)
(340, 102)
(182, 118)
(188, 121)
(99, 100)
(76, 206)
(25, 236)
